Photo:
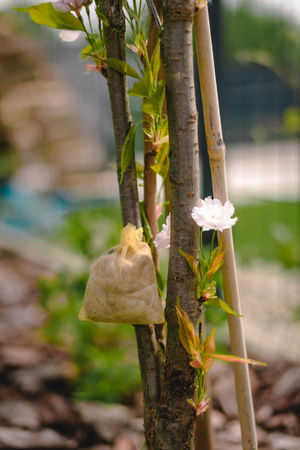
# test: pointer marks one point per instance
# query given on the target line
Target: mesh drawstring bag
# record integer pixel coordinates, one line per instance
(122, 285)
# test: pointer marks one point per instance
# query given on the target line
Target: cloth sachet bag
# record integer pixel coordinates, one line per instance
(122, 285)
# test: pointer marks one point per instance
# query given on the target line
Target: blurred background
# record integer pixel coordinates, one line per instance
(68, 384)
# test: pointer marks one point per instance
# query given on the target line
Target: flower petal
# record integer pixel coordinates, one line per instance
(162, 239)
(211, 215)
(69, 35)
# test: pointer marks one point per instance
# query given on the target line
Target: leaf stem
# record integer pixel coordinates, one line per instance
(88, 36)
(201, 242)
(87, 9)
(212, 242)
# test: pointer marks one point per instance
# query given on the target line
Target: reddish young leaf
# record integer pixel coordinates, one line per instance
(187, 333)
(232, 358)
(207, 350)
(197, 363)
(209, 345)
(190, 260)
(216, 264)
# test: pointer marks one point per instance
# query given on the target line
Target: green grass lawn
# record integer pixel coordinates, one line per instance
(268, 230)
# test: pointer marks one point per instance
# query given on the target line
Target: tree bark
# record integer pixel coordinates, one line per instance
(122, 121)
(150, 196)
(175, 417)
(150, 200)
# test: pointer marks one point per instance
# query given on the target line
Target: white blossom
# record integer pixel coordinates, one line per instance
(162, 239)
(69, 35)
(69, 5)
(212, 215)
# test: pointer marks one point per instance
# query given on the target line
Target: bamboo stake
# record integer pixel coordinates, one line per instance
(216, 150)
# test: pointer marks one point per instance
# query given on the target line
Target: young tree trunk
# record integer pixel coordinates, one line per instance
(150, 199)
(115, 48)
(175, 417)
(122, 120)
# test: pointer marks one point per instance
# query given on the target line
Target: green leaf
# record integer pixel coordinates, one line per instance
(160, 282)
(86, 52)
(45, 14)
(147, 229)
(162, 168)
(190, 260)
(218, 249)
(155, 61)
(121, 66)
(139, 90)
(128, 150)
(101, 16)
(218, 303)
(154, 104)
(142, 88)
(164, 152)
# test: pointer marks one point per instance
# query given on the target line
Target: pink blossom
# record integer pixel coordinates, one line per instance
(162, 240)
(159, 208)
(69, 5)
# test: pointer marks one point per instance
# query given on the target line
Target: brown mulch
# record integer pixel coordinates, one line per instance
(36, 406)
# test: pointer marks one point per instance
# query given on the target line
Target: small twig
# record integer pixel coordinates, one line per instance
(155, 16)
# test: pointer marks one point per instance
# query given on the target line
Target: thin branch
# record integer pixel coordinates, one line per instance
(150, 199)
(154, 14)
(117, 84)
